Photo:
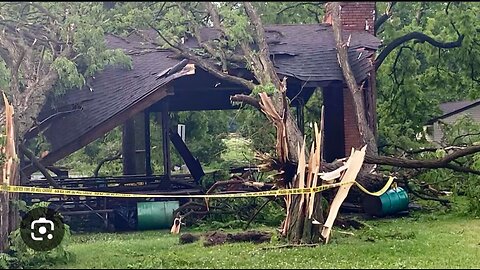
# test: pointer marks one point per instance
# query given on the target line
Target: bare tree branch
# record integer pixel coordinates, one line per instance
(431, 163)
(315, 4)
(212, 11)
(103, 161)
(385, 16)
(463, 136)
(420, 37)
(247, 100)
(421, 196)
(420, 12)
(44, 10)
(264, 54)
(462, 169)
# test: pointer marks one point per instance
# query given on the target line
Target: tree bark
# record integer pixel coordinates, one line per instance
(420, 37)
(365, 132)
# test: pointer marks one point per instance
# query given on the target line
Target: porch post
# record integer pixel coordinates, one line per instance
(166, 144)
(148, 160)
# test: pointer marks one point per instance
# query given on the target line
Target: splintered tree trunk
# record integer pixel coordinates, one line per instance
(289, 138)
(301, 228)
(366, 132)
(304, 219)
(9, 176)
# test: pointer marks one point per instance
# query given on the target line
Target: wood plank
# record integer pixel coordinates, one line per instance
(310, 175)
(312, 196)
(166, 146)
(148, 148)
(192, 163)
(355, 163)
(301, 173)
(128, 147)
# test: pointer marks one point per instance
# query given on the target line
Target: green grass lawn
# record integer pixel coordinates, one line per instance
(418, 241)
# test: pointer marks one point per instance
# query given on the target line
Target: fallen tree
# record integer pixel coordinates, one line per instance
(268, 88)
(290, 151)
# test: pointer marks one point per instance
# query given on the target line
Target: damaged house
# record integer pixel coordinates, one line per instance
(160, 82)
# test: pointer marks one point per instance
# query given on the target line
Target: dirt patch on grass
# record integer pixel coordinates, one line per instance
(219, 237)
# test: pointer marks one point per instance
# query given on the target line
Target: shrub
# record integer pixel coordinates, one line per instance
(21, 256)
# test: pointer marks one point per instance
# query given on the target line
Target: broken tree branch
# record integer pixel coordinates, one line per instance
(385, 16)
(103, 161)
(37, 164)
(294, 5)
(430, 163)
(269, 199)
(261, 41)
(246, 100)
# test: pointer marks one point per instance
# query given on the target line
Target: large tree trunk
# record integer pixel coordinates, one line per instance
(366, 133)
(298, 225)
(9, 215)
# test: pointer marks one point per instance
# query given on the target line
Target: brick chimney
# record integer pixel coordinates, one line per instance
(356, 16)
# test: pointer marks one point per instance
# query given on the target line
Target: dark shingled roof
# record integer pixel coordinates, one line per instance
(304, 52)
(307, 51)
(113, 90)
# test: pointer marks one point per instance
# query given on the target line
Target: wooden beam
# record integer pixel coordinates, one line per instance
(192, 163)
(300, 116)
(128, 147)
(148, 159)
(140, 144)
(166, 145)
(39, 166)
(99, 130)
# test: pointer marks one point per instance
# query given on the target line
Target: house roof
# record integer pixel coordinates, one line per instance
(307, 51)
(304, 52)
(454, 107)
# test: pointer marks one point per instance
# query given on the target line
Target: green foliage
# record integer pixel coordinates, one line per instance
(420, 241)
(85, 160)
(268, 88)
(7, 261)
(4, 76)
(444, 179)
(417, 76)
(238, 152)
(290, 12)
(254, 126)
(89, 22)
(21, 256)
(472, 192)
(204, 134)
(68, 74)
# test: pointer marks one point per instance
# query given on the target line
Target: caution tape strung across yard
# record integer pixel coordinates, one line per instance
(279, 192)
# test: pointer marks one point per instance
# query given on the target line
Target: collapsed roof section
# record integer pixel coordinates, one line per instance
(302, 52)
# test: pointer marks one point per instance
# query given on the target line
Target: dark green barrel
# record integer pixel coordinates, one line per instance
(390, 202)
(155, 215)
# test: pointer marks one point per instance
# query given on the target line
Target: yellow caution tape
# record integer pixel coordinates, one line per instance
(293, 191)
(380, 192)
